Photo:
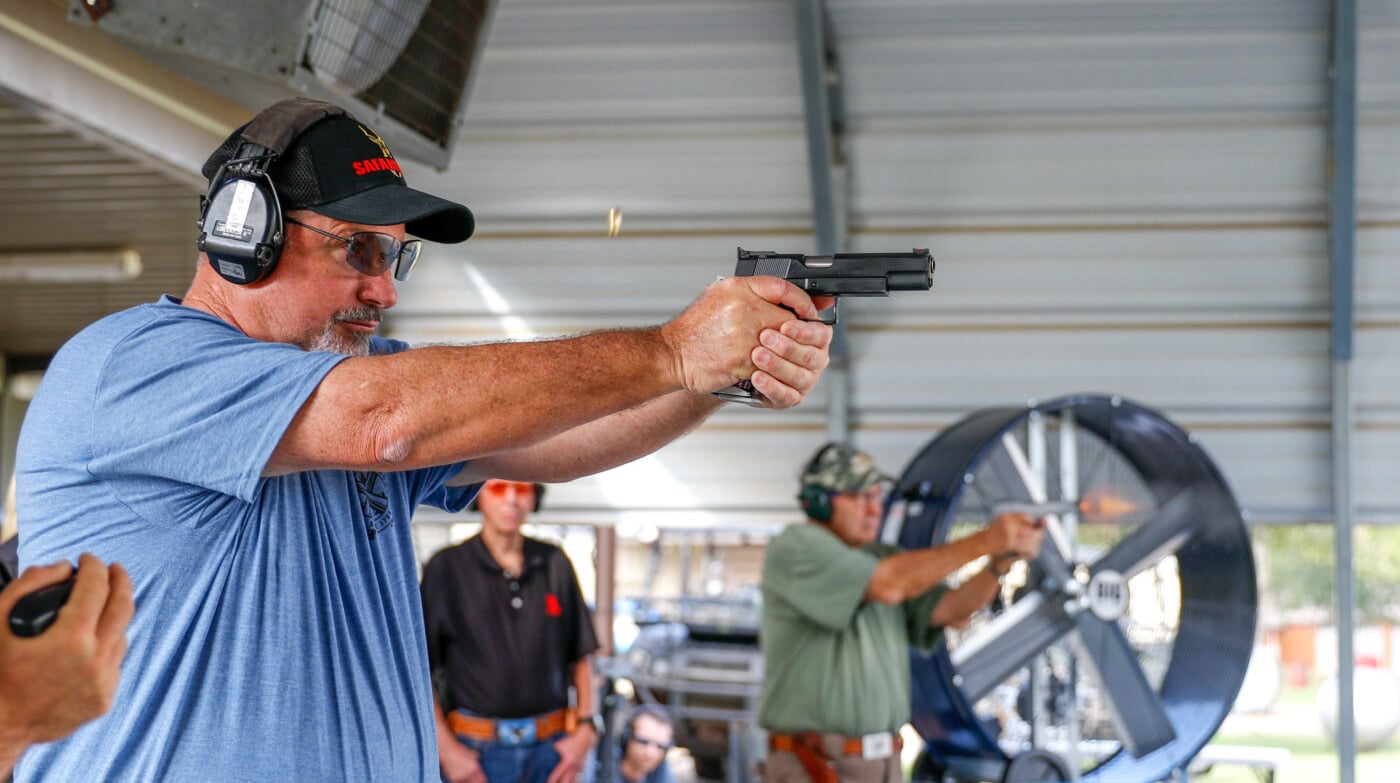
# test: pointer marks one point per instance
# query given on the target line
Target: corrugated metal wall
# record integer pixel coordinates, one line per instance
(1122, 197)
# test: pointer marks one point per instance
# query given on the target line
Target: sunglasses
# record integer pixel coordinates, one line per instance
(499, 489)
(372, 253)
(653, 743)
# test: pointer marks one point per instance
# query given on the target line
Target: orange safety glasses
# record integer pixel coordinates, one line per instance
(498, 489)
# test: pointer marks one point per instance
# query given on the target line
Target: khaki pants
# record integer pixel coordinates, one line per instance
(783, 766)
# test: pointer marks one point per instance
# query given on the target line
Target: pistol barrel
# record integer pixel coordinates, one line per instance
(917, 280)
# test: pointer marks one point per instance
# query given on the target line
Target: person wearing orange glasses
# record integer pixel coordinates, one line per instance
(840, 611)
(511, 642)
(253, 453)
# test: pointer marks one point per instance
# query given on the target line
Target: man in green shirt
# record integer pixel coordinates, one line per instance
(840, 611)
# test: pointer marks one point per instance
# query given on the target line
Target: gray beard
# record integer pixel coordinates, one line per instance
(334, 341)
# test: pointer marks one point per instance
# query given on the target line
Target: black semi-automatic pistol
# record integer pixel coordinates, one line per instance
(36, 611)
(842, 274)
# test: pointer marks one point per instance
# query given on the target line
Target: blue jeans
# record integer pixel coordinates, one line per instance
(529, 762)
(526, 759)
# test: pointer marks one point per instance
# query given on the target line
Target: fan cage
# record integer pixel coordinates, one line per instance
(1198, 677)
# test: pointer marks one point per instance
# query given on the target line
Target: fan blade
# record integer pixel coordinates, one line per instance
(1007, 643)
(1004, 645)
(1161, 535)
(1142, 723)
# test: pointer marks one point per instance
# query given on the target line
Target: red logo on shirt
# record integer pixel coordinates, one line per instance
(551, 606)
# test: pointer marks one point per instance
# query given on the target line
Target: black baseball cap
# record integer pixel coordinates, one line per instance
(340, 168)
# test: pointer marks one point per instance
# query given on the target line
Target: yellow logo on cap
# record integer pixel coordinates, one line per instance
(384, 148)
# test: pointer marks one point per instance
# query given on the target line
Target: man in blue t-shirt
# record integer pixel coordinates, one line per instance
(253, 453)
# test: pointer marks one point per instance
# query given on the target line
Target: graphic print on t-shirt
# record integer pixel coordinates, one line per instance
(373, 502)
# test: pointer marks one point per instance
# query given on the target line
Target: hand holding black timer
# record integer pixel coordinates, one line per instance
(37, 610)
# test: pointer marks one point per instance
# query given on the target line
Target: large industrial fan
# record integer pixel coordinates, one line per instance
(1117, 653)
(403, 66)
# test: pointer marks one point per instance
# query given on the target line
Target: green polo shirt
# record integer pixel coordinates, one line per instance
(832, 660)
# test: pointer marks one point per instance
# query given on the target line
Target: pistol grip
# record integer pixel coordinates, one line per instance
(37, 610)
(742, 393)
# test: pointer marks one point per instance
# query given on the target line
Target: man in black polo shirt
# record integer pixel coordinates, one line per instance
(508, 634)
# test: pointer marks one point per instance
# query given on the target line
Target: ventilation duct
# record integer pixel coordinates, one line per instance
(404, 66)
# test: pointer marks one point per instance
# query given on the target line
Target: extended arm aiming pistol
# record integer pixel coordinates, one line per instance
(842, 274)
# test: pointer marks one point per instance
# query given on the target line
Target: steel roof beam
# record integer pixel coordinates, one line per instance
(825, 114)
(1341, 245)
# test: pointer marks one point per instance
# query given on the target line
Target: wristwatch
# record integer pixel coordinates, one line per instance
(595, 720)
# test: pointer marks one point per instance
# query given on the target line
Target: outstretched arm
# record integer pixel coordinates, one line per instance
(599, 445)
(956, 607)
(433, 406)
(907, 574)
(790, 359)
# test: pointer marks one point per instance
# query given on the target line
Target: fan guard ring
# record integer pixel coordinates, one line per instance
(1124, 698)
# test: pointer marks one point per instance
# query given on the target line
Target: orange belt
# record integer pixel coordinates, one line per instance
(490, 729)
(850, 746)
(809, 749)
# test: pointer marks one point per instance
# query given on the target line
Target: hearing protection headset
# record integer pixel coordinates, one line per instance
(816, 502)
(624, 737)
(240, 218)
(816, 498)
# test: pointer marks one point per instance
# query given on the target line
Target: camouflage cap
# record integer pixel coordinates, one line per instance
(841, 467)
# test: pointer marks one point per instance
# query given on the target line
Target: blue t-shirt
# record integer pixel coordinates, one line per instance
(278, 631)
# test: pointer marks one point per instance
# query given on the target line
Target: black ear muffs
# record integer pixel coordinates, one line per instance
(241, 229)
(240, 218)
(816, 502)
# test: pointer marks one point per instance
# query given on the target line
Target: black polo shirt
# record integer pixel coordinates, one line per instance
(505, 644)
